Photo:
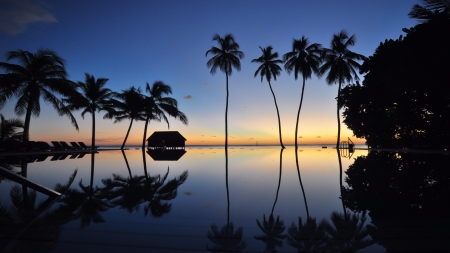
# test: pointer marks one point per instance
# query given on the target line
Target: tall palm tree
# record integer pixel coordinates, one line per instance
(341, 65)
(41, 75)
(269, 68)
(304, 59)
(225, 57)
(129, 105)
(8, 129)
(94, 97)
(157, 105)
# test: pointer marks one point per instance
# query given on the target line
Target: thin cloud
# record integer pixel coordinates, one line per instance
(188, 97)
(207, 84)
(300, 137)
(319, 136)
(16, 15)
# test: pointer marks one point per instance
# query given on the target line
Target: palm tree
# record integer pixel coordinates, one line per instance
(429, 9)
(94, 97)
(268, 68)
(156, 106)
(41, 75)
(226, 57)
(305, 59)
(129, 106)
(8, 129)
(341, 65)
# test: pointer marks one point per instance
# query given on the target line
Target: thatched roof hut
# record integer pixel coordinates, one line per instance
(166, 140)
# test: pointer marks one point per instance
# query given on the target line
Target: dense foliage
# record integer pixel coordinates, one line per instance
(404, 99)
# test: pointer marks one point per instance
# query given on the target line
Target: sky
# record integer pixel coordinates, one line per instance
(134, 42)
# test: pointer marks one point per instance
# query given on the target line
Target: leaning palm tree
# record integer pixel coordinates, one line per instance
(157, 105)
(128, 105)
(304, 59)
(41, 75)
(341, 65)
(269, 68)
(225, 57)
(8, 129)
(94, 97)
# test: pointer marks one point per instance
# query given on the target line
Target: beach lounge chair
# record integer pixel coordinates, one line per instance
(81, 155)
(44, 146)
(55, 157)
(75, 145)
(86, 147)
(66, 146)
(73, 156)
(57, 145)
(64, 156)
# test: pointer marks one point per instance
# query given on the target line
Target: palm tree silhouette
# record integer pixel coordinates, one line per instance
(429, 9)
(41, 75)
(269, 68)
(308, 236)
(94, 97)
(341, 65)
(305, 59)
(8, 129)
(273, 228)
(225, 57)
(129, 105)
(156, 106)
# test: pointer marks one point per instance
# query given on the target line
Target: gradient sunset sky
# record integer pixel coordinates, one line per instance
(134, 42)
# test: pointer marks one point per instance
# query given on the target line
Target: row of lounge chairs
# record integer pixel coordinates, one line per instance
(42, 146)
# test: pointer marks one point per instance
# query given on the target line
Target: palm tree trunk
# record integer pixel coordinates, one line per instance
(26, 126)
(301, 184)
(126, 161)
(226, 185)
(93, 130)
(91, 184)
(226, 118)
(145, 132)
(298, 116)
(338, 116)
(279, 180)
(340, 182)
(278, 113)
(126, 136)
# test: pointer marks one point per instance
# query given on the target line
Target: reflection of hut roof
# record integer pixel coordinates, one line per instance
(166, 135)
(166, 155)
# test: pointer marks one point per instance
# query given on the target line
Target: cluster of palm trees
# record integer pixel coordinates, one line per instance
(338, 63)
(42, 75)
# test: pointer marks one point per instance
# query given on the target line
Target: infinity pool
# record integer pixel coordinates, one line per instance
(128, 202)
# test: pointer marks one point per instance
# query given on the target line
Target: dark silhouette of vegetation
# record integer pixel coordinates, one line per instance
(128, 105)
(341, 65)
(225, 57)
(305, 59)
(94, 97)
(8, 129)
(157, 105)
(429, 9)
(406, 196)
(404, 98)
(269, 68)
(37, 76)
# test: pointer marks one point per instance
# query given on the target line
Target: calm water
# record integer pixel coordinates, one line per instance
(253, 206)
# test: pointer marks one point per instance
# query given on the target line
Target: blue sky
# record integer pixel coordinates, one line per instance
(134, 42)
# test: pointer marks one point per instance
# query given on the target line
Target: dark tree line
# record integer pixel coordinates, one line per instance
(404, 99)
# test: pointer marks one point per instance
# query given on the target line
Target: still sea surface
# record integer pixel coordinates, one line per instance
(260, 202)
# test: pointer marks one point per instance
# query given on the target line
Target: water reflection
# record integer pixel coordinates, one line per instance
(406, 196)
(273, 228)
(226, 240)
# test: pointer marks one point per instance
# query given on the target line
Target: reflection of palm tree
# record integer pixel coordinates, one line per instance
(341, 65)
(129, 106)
(305, 59)
(307, 237)
(272, 228)
(225, 58)
(226, 240)
(8, 129)
(268, 68)
(347, 232)
(95, 97)
(156, 190)
(38, 76)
